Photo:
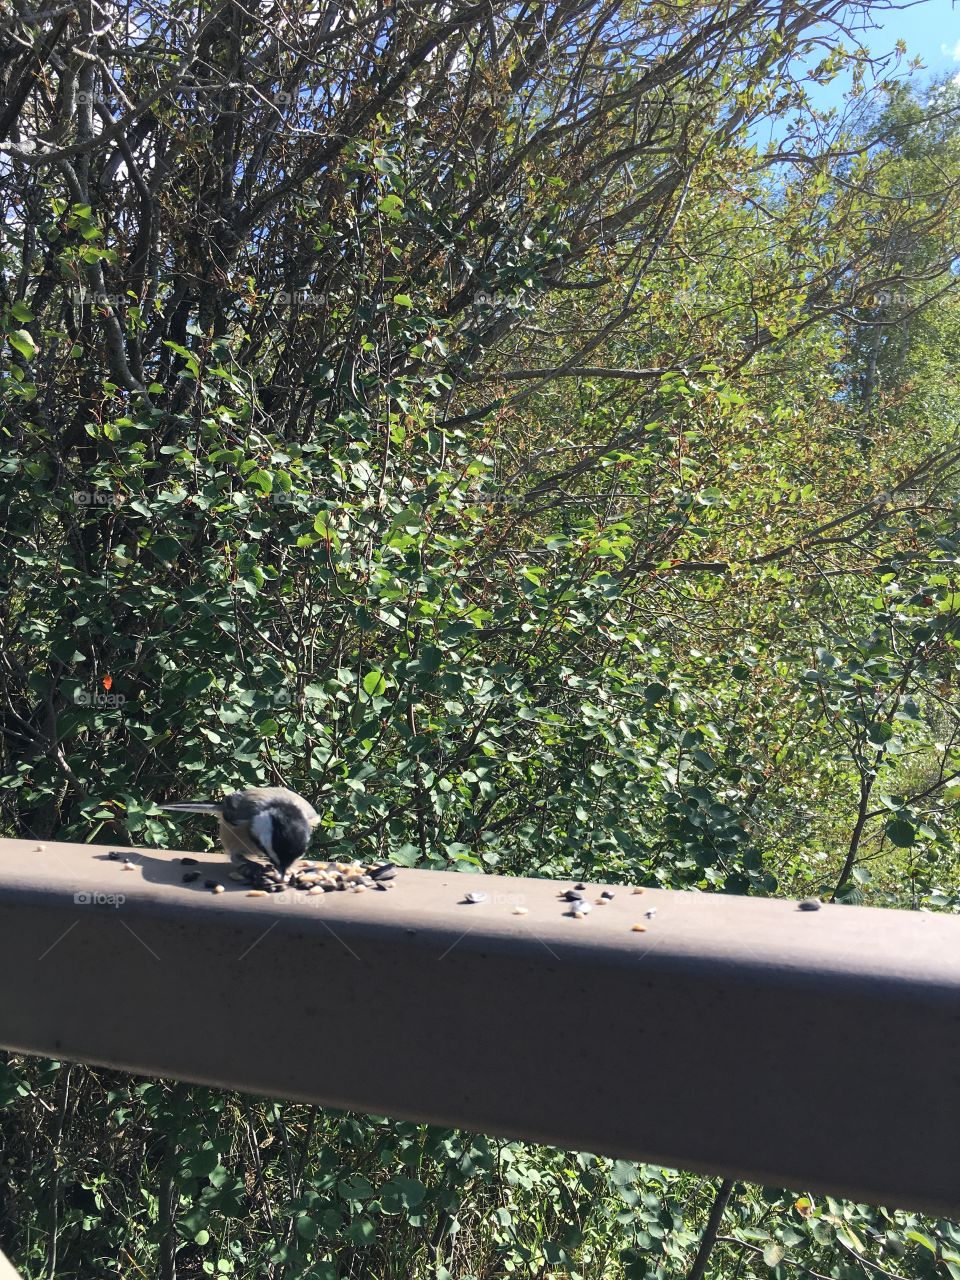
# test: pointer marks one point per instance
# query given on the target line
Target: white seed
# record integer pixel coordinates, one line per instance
(218, 888)
(637, 889)
(359, 888)
(257, 893)
(40, 848)
(520, 911)
(317, 889)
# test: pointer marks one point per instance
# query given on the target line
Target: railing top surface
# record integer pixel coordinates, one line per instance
(758, 933)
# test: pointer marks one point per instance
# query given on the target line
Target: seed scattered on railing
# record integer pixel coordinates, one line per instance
(809, 904)
(218, 888)
(520, 911)
(188, 877)
(579, 886)
(116, 856)
(607, 896)
(210, 884)
(637, 889)
(474, 896)
(256, 893)
(40, 848)
(128, 866)
(579, 908)
(639, 928)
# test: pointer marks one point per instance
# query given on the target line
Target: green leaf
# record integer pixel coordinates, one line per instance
(901, 833)
(21, 340)
(374, 683)
(773, 1253)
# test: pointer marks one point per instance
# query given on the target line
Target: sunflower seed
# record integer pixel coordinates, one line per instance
(809, 904)
(637, 889)
(639, 928)
(474, 896)
(384, 872)
(317, 888)
(218, 888)
(573, 895)
(520, 911)
(579, 886)
(188, 877)
(256, 893)
(116, 856)
(210, 884)
(607, 896)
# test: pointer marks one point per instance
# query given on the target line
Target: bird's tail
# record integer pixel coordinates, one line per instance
(194, 806)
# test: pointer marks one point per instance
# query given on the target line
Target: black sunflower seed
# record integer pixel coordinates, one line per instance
(190, 876)
(189, 862)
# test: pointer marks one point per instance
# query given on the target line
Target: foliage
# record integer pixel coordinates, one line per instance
(460, 415)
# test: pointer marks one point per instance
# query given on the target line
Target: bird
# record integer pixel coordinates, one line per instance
(259, 824)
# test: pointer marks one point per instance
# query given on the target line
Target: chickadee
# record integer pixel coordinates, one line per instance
(260, 824)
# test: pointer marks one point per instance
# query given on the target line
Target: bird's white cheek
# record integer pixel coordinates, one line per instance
(262, 829)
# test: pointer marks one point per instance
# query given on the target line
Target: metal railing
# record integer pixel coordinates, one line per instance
(724, 1035)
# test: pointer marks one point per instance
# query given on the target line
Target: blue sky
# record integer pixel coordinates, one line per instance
(930, 30)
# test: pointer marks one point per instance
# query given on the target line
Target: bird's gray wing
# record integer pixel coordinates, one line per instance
(194, 806)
